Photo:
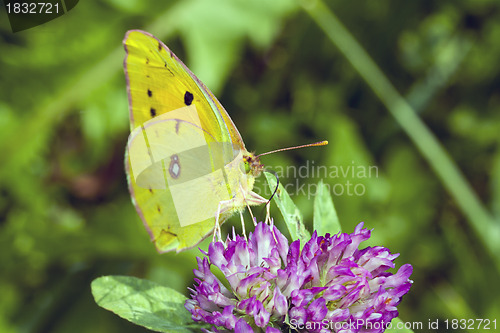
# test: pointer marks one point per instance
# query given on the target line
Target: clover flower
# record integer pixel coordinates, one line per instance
(270, 286)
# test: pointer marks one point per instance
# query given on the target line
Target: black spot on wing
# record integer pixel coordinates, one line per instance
(159, 46)
(150, 93)
(188, 98)
(158, 208)
(152, 111)
(147, 61)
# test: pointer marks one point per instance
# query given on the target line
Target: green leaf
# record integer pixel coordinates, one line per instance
(290, 212)
(142, 302)
(397, 326)
(214, 35)
(325, 216)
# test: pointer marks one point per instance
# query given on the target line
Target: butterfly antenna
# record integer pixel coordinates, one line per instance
(316, 144)
(277, 184)
(272, 195)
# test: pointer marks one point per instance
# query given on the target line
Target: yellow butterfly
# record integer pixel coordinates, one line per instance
(186, 162)
(187, 167)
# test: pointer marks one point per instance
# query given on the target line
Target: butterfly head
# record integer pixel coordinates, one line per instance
(252, 164)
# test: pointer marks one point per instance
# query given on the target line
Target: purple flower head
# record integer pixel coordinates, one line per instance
(270, 286)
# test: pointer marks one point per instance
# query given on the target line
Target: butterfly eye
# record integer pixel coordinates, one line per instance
(247, 164)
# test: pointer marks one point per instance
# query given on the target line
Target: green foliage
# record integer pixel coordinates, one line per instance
(325, 217)
(289, 211)
(142, 302)
(212, 53)
(161, 309)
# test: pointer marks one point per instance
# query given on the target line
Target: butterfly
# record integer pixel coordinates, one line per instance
(187, 166)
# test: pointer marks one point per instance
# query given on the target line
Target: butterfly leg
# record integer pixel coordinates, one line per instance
(268, 213)
(217, 230)
(271, 224)
(223, 208)
(254, 220)
(243, 226)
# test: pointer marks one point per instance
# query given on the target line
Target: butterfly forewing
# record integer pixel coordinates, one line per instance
(159, 82)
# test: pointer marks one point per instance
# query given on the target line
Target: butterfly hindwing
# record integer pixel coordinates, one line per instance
(178, 194)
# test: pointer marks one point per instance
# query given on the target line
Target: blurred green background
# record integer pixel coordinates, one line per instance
(288, 74)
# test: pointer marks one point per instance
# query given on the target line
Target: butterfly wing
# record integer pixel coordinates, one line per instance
(178, 180)
(184, 154)
(158, 82)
